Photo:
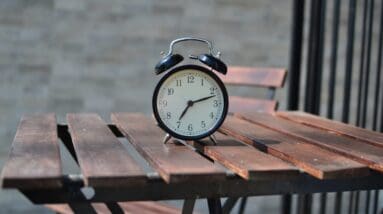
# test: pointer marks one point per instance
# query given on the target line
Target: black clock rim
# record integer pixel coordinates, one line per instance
(224, 94)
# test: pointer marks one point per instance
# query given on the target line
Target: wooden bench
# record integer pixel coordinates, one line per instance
(270, 78)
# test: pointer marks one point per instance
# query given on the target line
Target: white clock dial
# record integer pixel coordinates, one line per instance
(191, 103)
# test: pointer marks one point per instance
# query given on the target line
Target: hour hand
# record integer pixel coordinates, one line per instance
(204, 98)
(189, 103)
(184, 112)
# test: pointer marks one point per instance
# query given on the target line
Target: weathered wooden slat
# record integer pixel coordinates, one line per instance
(247, 162)
(142, 207)
(251, 76)
(99, 208)
(316, 161)
(148, 207)
(371, 137)
(102, 157)
(175, 163)
(352, 148)
(247, 105)
(34, 160)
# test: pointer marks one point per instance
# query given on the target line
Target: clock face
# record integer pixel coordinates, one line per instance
(190, 102)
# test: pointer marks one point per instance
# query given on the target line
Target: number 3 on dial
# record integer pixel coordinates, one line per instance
(190, 102)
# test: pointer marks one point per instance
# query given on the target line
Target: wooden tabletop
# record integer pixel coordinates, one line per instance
(255, 148)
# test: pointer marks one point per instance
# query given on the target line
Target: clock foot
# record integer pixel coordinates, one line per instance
(166, 138)
(212, 138)
(185, 143)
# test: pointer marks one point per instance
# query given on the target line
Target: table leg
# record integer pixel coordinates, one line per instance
(242, 206)
(114, 207)
(81, 206)
(214, 205)
(286, 204)
(229, 204)
(304, 203)
(188, 206)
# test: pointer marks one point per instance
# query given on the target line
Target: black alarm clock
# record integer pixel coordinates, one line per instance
(190, 101)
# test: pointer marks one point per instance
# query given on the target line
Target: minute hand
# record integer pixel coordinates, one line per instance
(202, 99)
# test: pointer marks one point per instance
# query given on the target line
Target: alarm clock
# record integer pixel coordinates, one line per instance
(190, 102)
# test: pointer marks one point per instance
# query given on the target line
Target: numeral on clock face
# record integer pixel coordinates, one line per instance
(190, 102)
(170, 91)
(178, 83)
(190, 127)
(212, 90)
(190, 79)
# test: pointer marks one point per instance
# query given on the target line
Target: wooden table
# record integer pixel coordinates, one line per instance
(257, 154)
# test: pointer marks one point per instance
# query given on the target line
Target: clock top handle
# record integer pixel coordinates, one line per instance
(209, 44)
(212, 59)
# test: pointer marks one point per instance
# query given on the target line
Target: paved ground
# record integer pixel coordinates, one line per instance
(98, 56)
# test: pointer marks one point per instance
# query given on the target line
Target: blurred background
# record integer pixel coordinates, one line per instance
(98, 56)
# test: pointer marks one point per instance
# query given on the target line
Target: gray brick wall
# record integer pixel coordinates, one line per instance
(98, 55)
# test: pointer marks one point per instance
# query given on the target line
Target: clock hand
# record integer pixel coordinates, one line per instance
(202, 99)
(184, 112)
(189, 104)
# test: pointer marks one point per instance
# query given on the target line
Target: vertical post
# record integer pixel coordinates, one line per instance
(214, 205)
(304, 203)
(286, 204)
(367, 207)
(376, 200)
(331, 93)
(314, 73)
(295, 54)
(361, 65)
(368, 60)
(338, 203)
(315, 56)
(351, 203)
(378, 74)
(323, 203)
(296, 43)
(349, 56)
(356, 205)
(333, 59)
